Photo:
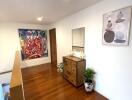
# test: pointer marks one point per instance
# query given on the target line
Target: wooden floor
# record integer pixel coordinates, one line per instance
(43, 82)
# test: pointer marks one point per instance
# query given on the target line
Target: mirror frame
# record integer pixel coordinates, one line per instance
(83, 39)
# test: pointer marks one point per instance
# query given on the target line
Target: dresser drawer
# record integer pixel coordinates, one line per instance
(69, 64)
(70, 76)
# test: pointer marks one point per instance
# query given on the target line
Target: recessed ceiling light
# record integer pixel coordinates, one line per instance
(40, 18)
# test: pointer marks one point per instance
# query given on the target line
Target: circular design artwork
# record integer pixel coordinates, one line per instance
(119, 35)
(109, 36)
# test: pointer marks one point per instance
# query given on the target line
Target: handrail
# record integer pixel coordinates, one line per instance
(16, 84)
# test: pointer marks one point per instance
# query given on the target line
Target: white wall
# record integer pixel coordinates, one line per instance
(112, 63)
(9, 43)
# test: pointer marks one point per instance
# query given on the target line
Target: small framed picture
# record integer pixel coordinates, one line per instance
(116, 27)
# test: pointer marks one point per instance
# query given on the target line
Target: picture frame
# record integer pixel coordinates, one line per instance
(33, 43)
(116, 27)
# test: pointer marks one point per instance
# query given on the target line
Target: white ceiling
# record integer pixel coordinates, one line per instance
(26, 11)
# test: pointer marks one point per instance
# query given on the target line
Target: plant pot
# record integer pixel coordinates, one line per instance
(89, 85)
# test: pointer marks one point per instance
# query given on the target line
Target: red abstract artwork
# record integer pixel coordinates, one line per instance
(33, 43)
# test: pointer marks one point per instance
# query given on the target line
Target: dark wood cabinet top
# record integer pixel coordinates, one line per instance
(73, 58)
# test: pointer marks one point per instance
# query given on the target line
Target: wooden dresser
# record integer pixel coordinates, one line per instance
(74, 69)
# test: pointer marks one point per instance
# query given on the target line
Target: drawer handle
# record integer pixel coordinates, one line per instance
(66, 76)
(65, 62)
(68, 72)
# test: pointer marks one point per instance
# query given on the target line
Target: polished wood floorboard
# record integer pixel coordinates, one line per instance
(43, 82)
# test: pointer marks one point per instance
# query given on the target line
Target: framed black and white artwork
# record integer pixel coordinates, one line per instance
(116, 27)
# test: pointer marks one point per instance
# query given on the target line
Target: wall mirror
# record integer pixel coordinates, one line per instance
(78, 39)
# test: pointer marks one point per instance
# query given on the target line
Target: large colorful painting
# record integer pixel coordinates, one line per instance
(33, 43)
(116, 26)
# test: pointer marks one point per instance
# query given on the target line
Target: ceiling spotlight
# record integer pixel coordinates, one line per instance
(40, 18)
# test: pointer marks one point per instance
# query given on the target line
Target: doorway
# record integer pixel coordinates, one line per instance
(53, 48)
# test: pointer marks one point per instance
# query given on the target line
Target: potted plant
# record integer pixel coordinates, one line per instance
(60, 67)
(89, 79)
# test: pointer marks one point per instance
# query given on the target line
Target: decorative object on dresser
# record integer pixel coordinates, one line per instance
(74, 68)
(89, 82)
